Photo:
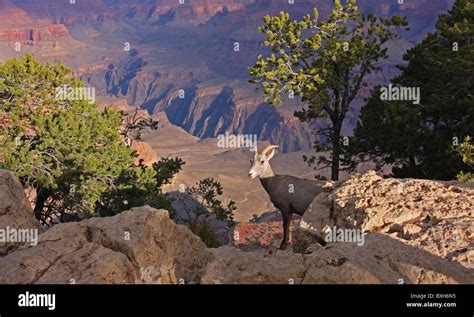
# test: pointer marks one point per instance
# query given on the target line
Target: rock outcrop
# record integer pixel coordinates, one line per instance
(11, 14)
(381, 260)
(314, 224)
(433, 216)
(234, 266)
(145, 153)
(15, 210)
(428, 241)
(17, 26)
(141, 245)
(35, 34)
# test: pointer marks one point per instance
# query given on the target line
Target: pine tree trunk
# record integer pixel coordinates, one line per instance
(41, 198)
(335, 163)
(336, 151)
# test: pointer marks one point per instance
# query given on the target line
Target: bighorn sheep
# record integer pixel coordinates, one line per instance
(291, 195)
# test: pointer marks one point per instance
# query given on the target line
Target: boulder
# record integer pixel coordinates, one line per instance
(234, 266)
(380, 260)
(433, 216)
(314, 223)
(141, 245)
(15, 210)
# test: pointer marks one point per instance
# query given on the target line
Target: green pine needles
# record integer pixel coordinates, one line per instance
(71, 153)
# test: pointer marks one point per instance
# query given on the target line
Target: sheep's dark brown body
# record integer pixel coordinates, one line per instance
(291, 195)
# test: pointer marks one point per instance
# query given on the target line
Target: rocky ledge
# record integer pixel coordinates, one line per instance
(143, 245)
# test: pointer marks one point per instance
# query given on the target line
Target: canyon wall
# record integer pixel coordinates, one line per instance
(189, 47)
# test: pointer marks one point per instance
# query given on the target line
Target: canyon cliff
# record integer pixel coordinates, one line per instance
(188, 48)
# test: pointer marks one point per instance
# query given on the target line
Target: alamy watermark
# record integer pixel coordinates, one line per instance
(345, 235)
(37, 300)
(228, 140)
(75, 93)
(13, 235)
(396, 93)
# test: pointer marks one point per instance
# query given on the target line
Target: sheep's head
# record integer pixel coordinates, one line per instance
(261, 163)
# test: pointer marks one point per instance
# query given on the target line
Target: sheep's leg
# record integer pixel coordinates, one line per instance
(286, 229)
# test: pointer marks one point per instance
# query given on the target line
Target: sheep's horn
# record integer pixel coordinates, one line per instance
(268, 149)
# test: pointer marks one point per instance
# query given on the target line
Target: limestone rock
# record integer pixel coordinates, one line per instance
(314, 223)
(141, 245)
(15, 209)
(233, 266)
(434, 216)
(381, 260)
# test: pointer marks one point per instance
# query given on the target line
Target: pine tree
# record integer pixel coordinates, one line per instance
(422, 140)
(324, 62)
(467, 154)
(73, 154)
